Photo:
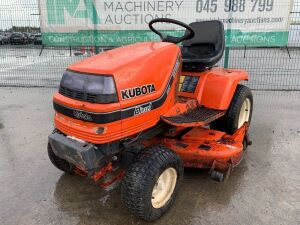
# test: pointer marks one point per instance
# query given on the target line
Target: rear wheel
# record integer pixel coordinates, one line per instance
(60, 163)
(239, 112)
(150, 184)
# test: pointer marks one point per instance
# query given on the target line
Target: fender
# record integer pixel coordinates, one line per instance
(219, 87)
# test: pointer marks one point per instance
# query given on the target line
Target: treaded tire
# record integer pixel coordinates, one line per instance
(59, 163)
(229, 122)
(140, 178)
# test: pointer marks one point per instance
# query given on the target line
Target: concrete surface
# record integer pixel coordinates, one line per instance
(264, 189)
(268, 68)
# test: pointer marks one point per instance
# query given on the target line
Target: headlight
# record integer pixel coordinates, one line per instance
(88, 87)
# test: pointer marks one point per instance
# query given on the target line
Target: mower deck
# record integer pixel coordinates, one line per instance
(206, 148)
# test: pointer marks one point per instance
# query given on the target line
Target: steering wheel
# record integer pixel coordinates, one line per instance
(189, 34)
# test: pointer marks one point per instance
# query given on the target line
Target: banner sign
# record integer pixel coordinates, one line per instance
(116, 23)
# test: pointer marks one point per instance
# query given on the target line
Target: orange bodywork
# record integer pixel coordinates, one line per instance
(155, 63)
(216, 87)
(131, 66)
(215, 90)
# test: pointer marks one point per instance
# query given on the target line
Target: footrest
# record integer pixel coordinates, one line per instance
(196, 117)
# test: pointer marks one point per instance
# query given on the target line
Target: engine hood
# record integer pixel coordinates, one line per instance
(113, 61)
(144, 65)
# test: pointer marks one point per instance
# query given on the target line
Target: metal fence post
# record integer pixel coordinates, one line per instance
(226, 58)
(95, 32)
(227, 48)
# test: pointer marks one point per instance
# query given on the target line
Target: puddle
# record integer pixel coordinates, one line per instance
(1, 126)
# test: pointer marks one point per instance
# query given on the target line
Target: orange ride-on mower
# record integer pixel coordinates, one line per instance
(141, 113)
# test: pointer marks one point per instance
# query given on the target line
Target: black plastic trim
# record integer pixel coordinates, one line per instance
(99, 118)
(85, 96)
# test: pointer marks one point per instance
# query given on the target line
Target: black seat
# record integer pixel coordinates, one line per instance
(206, 48)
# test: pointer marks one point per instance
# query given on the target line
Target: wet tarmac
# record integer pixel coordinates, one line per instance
(264, 189)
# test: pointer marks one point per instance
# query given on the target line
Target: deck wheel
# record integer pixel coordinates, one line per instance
(217, 176)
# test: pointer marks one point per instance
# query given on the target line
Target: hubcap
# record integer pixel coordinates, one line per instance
(245, 112)
(164, 188)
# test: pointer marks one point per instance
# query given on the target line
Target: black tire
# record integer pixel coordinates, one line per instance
(59, 163)
(141, 176)
(229, 122)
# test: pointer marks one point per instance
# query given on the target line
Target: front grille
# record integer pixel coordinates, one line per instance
(87, 97)
(91, 97)
(75, 95)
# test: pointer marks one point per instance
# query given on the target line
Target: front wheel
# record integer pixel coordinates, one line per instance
(151, 183)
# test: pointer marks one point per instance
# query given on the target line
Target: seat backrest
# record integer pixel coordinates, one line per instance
(208, 43)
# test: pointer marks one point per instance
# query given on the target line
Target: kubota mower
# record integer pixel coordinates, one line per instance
(141, 113)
